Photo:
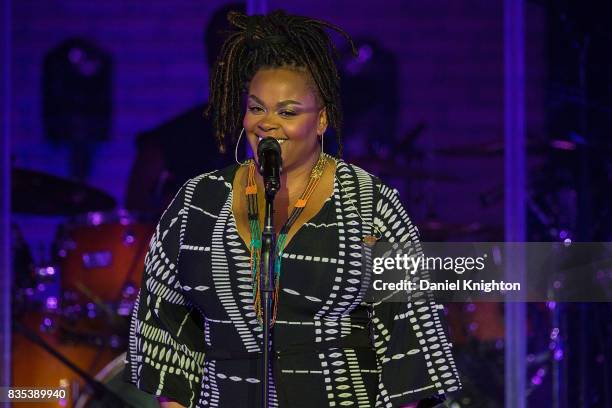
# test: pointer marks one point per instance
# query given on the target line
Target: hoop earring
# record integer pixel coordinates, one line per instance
(236, 148)
(322, 137)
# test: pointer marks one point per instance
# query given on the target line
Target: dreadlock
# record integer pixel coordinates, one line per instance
(273, 41)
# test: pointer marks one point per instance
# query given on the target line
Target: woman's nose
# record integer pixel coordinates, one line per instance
(267, 125)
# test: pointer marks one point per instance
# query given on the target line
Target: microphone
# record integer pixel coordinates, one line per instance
(270, 164)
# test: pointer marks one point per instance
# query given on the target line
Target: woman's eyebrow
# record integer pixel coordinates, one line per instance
(280, 104)
(256, 99)
(289, 102)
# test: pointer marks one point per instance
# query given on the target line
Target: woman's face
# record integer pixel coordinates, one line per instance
(282, 104)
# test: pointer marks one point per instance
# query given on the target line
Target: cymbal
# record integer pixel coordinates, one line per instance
(433, 229)
(489, 148)
(34, 192)
(497, 148)
(388, 168)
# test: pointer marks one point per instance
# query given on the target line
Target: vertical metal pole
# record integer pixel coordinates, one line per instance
(515, 198)
(5, 198)
(266, 288)
(584, 224)
(257, 7)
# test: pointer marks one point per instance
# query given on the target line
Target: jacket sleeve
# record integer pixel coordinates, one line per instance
(413, 353)
(165, 355)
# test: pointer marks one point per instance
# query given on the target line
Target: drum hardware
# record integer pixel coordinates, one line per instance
(485, 149)
(100, 259)
(99, 388)
(111, 375)
(388, 167)
(492, 148)
(98, 304)
(24, 276)
(46, 273)
(94, 324)
(434, 229)
(70, 336)
(480, 353)
(129, 293)
(40, 297)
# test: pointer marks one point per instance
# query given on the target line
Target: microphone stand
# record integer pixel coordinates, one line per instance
(266, 286)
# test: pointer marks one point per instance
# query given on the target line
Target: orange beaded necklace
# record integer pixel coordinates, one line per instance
(255, 229)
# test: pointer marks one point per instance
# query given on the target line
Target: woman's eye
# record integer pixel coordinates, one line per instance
(255, 109)
(287, 113)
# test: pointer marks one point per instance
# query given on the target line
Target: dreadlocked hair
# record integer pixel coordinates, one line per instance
(276, 40)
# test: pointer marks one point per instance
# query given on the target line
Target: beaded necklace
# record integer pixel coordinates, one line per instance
(255, 245)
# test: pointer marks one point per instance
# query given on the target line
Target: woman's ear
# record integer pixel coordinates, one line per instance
(322, 125)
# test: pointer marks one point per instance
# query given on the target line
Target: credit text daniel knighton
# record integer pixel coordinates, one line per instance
(459, 265)
(459, 284)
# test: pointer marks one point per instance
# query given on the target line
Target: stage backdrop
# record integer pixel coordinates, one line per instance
(450, 57)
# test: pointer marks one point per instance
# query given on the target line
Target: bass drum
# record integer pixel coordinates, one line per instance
(32, 366)
(112, 377)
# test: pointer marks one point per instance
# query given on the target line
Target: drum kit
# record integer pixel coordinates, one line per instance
(71, 316)
(477, 329)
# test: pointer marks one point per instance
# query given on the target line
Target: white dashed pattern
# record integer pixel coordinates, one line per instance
(321, 301)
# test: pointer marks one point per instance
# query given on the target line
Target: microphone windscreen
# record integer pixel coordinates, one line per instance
(270, 163)
(268, 144)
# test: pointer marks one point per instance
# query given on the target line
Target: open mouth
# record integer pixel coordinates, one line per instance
(280, 141)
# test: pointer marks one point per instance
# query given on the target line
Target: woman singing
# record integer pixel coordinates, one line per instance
(196, 334)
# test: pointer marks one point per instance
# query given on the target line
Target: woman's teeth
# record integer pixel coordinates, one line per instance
(280, 141)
